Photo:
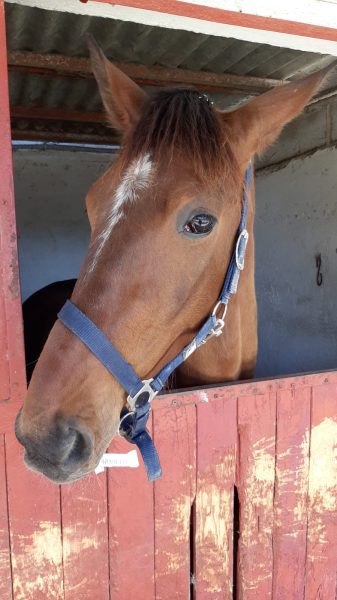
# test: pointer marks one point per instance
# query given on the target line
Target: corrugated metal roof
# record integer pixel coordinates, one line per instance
(43, 31)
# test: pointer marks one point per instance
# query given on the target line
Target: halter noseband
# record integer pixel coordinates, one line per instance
(133, 418)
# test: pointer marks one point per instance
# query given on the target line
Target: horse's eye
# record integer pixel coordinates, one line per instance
(200, 224)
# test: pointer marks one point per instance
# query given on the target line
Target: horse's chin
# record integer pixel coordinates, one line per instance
(51, 472)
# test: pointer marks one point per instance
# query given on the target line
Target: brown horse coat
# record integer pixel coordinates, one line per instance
(146, 281)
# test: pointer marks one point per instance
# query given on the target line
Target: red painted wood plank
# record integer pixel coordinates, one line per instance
(228, 17)
(174, 435)
(216, 458)
(256, 479)
(322, 526)
(291, 491)
(5, 565)
(8, 412)
(248, 388)
(35, 531)
(14, 353)
(4, 366)
(85, 539)
(131, 536)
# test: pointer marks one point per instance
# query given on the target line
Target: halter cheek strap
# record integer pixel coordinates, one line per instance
(141, 392)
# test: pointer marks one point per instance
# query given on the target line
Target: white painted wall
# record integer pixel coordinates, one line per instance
(50, 190)
(296, 219)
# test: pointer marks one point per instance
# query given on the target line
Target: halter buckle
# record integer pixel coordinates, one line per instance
(240, 249)
(137, 400)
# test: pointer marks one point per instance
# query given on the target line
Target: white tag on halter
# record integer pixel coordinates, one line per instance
(130, 459)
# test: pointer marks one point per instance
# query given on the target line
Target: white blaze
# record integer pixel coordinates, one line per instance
(134, 180)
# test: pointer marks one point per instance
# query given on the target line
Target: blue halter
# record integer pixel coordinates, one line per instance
(141, 392)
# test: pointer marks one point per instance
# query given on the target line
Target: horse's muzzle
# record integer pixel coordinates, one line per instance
(62, 454)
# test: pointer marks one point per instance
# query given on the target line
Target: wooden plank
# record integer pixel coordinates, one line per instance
(5, 564)
(131, 535)
(8, 412)
(85, 539)
(35, 531)
(216, 458)
(5, 166)
(249, 388)
(291, 491)
(322, 525)
(10, 288)
(204, 12)
(4, 366)
(28, 112)
(174, 435)
(60, 65)
(256, 479)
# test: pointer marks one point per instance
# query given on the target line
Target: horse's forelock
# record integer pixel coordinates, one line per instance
(183, 121)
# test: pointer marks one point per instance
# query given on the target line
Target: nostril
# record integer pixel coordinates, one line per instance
(81, 447)
(73, 442)
(67, 445)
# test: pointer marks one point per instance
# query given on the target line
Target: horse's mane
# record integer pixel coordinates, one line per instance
(184, 120)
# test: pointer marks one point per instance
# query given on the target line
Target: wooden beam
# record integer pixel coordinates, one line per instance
(24, 112)
(69, 66)
(46, 135)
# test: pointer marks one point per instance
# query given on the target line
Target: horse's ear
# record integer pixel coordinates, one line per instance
(122, 97)
(257, 124)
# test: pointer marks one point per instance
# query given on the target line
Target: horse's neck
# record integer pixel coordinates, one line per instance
(233, 354)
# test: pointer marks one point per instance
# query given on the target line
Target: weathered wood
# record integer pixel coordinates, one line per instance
(4, 366)
(5, 563)
(55, 64)
(216, 459)
(248, 388)
(8, 412)
(322, 510)
(12, 372)
(291, 490)
(48, 134)
(175, 438)
(35, 530)
(256, 480)
(28, 112)
(85, 539)
(131, 533)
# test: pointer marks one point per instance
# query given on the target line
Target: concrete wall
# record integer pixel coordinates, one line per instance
(315, 128)
(50, 189)
(296, 220)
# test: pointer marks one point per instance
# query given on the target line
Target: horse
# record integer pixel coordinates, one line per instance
(164, 219)
(39, 313)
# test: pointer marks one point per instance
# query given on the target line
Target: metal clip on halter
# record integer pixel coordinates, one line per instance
(220, 321)
(145, 394)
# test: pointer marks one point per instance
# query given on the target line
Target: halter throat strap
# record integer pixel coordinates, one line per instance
(140, 392)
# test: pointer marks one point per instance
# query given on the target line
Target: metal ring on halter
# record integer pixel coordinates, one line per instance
(132, 412)
(216, 307)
